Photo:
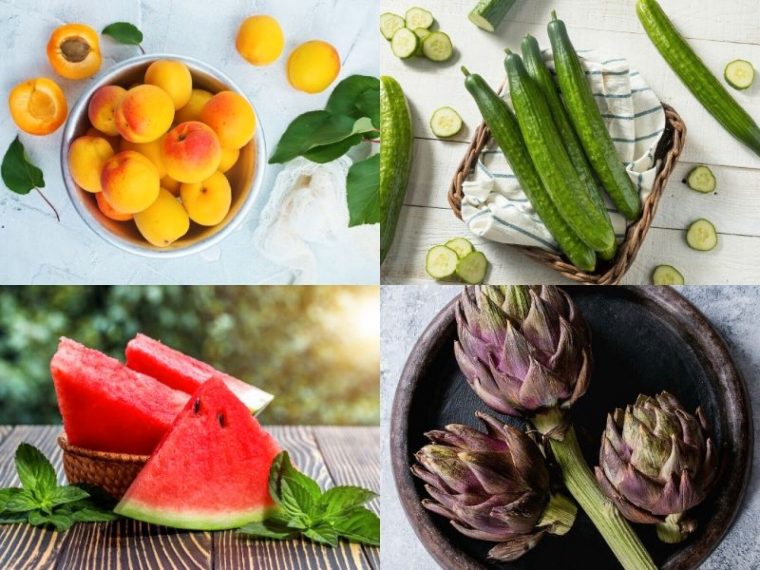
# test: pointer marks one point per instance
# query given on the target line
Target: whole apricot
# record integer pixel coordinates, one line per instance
(173, 77)
(144, 114)
(115, 142)
(192, 111)
(38, 106)
(313, 66)
(74, 51)
(102, 108)
(152, 150)
(207, 202)
(130, 182)
(87, 156)
(164, 222)
(108, 211)
(231, 117)
(191, 152)
(260, 40)
(229, 158)
(171, 185)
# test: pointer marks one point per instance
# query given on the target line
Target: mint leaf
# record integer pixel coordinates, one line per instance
(322, 532)
(35, 471)
(22, 502)
(67, 494)
(270, 528)
(310, 130)
(363, 192)
(343, 498)
(59, 521)
(124, 33)
(91, 514)
(5, 496)
(12, 518)
(282, 468)
(345, 98)
(19, 174)
(359, 525)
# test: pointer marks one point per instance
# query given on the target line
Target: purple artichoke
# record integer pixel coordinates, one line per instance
(522, 349)
(656, 462)
(492, 486)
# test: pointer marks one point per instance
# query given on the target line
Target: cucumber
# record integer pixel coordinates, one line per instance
(437, 47)
(445, 122)
(488, 14)
(701, 179)
(589, 124)
(422, 33)
(405, 43)
(552, 162)
(472, 268)
(462, 246)
(534, 63)
(506, 132)
(390, 23)
(395, 157)
(441, 262)
(667, 275)
(418, 18)
(739, 74)
(701, 235)
(708, 90)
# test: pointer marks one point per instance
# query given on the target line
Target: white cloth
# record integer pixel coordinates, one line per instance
(495, 207)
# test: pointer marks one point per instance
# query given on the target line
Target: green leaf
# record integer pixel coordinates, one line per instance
(310, 130)
(343, 498)
(296, 503)
(35, 471)
(345, 98)
(12, 518)
(6, 495)
(124, 32)
(330, 152)
(22, 502)
(368, 104)
(270, 528)
(20, 175)
(363, 192)
(92, 514)
(283, 468)
(323, 533)
(359, 525)
(59, 521)
(68, 494)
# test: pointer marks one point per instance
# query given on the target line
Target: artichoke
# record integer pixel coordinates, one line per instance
(492, 486)
(656, 462)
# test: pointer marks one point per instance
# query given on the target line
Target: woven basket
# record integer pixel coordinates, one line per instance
(112, 472)
(608, 273)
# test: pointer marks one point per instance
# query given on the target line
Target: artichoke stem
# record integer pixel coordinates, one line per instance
(671, 530)
(559, 515)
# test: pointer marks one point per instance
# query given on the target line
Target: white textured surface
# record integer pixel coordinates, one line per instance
(718, 31)
(406, 311)
(34, 248)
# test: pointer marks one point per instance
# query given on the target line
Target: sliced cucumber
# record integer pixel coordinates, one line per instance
(667, 275)
(441, 262)
(701, 235)
(405, 43)
(488, 14)
(418, 18)
(462, 246)
(445, 122)
(701, 179)
(437, 47)
(739, 74)
(390, 23)
(422, 33)
(472, 267)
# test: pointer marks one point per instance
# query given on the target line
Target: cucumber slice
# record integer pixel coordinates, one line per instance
(701, 179)
(739, 74)
(405, 43)
(441, 262)
(701, 235)
(472, 267)
(422, 33)
(418, 18)
(462, 246)
(488, 14)
(437, 47)
(390, 23)
(445, 122)
(667, 275)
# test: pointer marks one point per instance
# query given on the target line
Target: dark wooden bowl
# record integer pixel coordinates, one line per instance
(645, 340)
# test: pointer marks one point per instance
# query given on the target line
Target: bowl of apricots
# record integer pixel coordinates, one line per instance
(163, 156)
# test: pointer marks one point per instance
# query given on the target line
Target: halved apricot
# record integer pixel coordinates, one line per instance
(74, 51)
(38, 106)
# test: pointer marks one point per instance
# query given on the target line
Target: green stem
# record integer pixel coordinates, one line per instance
(559, 515)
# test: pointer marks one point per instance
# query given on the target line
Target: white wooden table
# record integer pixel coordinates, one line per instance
(718, 31)
(35, 249)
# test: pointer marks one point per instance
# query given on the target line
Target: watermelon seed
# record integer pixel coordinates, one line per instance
(221, 419)
(197, 405)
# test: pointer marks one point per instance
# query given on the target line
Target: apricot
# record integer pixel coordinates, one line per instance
(192, 111)
(173, 77)
(102, 108)
(74, 51)
(231, 117)
(87, 156)
(191, 152)
(260, 40)
(313, 66)
(115, 142)
(144, 114)
(229, 158)
(130, 182)
(108, 211)
(171, 185)
(38, 106)
(164, 222)
(207, 202)
(152, 150)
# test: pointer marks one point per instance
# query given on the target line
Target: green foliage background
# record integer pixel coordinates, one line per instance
(299, 343)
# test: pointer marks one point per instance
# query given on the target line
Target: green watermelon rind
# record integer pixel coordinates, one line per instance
(189, 519)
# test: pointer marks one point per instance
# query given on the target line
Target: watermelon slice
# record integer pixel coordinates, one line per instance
(185, 373)
(108, 407)
(211, 470)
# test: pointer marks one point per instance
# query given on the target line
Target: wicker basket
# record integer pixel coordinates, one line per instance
(112, 472)
(608, 273)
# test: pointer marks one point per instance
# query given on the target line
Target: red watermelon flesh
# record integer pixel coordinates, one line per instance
(108, 407)
(210, 471)
(183, 372)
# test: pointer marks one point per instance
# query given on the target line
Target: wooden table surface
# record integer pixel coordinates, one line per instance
(718, 31)
(331, 455)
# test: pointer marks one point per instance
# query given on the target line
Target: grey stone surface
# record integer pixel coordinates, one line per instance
(407, 310)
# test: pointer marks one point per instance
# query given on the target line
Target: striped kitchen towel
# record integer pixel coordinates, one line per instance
(495, 207)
